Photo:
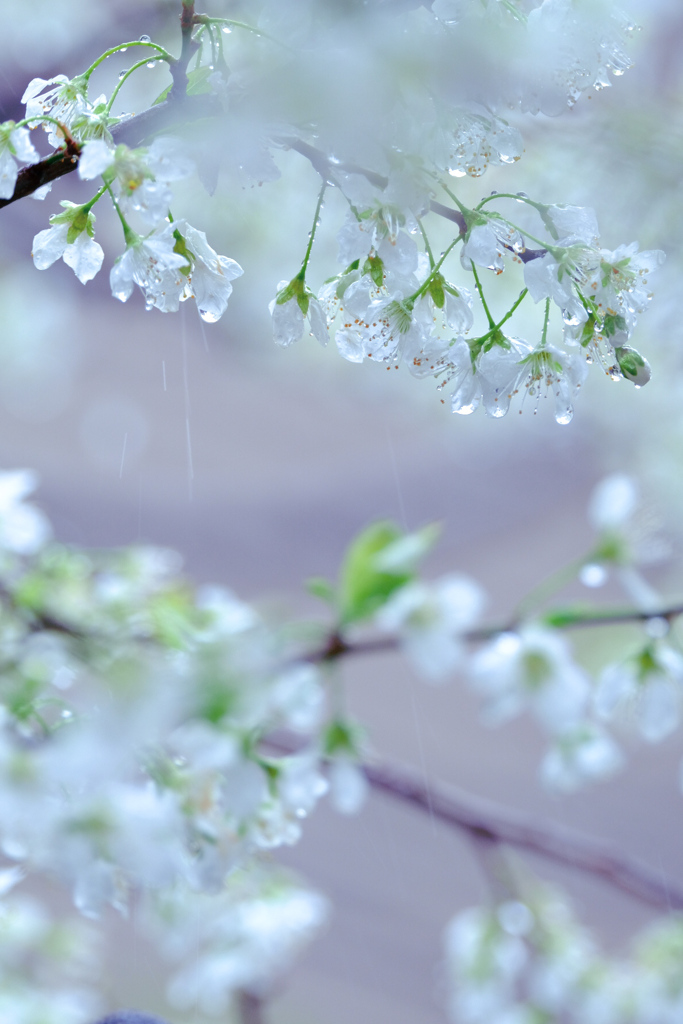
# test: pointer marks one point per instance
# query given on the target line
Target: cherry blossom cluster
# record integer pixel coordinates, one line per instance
(527, 958)
(393, 302)
(139, 723)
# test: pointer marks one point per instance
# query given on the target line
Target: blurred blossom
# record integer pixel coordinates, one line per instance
(646, 690)
(582, 755)
(430, 619)
(533, 668)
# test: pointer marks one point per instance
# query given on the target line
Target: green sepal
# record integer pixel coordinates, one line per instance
(318, 586)
(180, 247)
(375, 268)
(77, 217)
(364, 586)
(436, 291)
(647, 663)
(612, 323)
(588, 330)
(296, 289)
(342, 737)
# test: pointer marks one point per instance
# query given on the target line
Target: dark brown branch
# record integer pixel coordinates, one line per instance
(132, 131)
(489, 823)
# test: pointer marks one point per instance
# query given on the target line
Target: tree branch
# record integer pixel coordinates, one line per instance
(336, 646)
(485, 820)
(132, 131)
(489, 823)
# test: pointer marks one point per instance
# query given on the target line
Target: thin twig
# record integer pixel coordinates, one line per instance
(487, 820)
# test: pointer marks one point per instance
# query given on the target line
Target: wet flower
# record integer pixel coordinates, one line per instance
(71, 238)
(293, 304)
(209, 275)
(15, 144)
(488, 240)
(153, 265)
(65, 101)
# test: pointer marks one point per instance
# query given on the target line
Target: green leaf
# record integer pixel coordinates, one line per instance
(163, 95)
(198, 80)
(364, 586)
(322, 588)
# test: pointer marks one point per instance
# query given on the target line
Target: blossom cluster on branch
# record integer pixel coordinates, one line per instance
(136, 761)
(394, 302)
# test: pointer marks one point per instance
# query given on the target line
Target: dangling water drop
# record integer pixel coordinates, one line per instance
(227, 30)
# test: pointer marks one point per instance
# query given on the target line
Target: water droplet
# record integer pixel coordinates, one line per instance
(593, 575)
(494, 191)
(66, 714)
(571, 319)
(227, 30)
(455, 172)
(151, 63)
(209, 316)
(145, 39)
(523, 195)
(122, 74)
(123, 49)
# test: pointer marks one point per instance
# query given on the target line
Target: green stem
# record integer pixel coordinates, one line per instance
(428, 248)
(130, 237)
(544, 335)
(87, 207)
(122, 81)
(522, 295)
(204, 19)
(463, 209)
(304, 265)
(492, 323)
(46, 119)
(163, 54)
(435, 269)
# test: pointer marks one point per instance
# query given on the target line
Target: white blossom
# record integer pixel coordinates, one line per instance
(154, 267)
(65, 101)
(531, 668)
(430, 621)
(84, 255)
(15, 144)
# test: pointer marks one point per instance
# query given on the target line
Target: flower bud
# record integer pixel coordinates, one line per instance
(633, 366)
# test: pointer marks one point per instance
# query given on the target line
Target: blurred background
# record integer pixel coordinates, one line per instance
(258, 464)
